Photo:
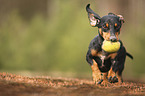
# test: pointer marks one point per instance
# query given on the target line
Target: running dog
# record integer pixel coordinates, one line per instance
(106, 66)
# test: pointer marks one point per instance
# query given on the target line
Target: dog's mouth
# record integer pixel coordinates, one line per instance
(110, 47)
(108, 37)
(113, 39)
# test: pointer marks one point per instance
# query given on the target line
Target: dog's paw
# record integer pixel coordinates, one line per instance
(106, 83)
(113, 79)
(99, 81)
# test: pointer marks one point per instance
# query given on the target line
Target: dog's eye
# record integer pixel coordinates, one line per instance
(117, 26)
(105, 26)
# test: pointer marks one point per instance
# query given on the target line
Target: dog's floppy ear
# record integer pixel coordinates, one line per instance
(94, 18)
(121, 18)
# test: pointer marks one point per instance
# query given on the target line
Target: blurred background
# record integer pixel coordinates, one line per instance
(51, 37)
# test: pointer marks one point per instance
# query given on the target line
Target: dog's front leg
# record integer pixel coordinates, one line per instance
(105, 79)
(96, 74)
(112, 76)
(119, 76)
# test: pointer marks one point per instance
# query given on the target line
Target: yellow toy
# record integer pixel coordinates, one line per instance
(110, 47)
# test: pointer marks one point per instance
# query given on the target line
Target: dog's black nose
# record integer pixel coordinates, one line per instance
(113, 39)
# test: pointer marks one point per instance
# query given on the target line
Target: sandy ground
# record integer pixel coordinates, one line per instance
(16, 85)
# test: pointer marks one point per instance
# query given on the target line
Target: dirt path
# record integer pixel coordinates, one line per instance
(15, 85)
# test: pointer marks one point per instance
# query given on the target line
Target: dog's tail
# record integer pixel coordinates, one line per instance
(129, 55)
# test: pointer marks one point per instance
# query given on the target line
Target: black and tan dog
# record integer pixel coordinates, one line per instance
(106, 66)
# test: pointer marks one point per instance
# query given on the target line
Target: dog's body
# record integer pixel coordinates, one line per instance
(106, 66)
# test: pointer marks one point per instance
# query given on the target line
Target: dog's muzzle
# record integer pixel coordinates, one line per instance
(113, 38)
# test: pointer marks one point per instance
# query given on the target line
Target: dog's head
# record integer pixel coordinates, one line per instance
(109, 25)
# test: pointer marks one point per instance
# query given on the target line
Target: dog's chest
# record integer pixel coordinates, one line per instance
(104, 56)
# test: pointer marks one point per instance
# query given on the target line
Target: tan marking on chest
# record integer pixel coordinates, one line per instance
(113, 55)
(99, 54)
